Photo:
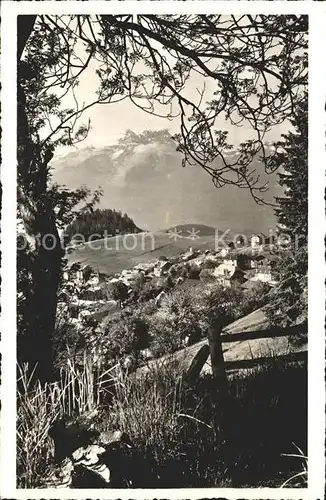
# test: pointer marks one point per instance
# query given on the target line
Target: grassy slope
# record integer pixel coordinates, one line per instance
(109, 256)
(249, 349)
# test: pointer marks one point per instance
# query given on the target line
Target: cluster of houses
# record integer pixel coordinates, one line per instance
(243, 267)
(229, 265)
(236, 265)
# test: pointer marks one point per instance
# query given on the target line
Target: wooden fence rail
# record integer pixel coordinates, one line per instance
(219, 366)
(250, 363)
(263, 334)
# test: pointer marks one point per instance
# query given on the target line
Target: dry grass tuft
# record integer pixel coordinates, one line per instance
(175, 427)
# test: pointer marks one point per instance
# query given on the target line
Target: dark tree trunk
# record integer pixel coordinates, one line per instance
(44, 246)
(25, 26)
(45, 253)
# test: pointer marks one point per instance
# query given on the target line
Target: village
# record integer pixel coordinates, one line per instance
(86, 292)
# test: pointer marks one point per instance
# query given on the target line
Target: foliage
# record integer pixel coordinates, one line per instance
(185, 315)
(124, 333)
(168, 283)
(289, 298)
(220, 305)
(194, 272)
(180, 309)
(292, 156)
(76, 393)
(137, 289)
(209, 264)
(182, 319)
(184, 271)
(164, 338)
(206, 276)
(43, 207)
(119, 291)
(251, 84)
(68, 341)
(150, 290)
(258, 295)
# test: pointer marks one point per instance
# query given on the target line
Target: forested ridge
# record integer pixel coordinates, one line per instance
(100, 223)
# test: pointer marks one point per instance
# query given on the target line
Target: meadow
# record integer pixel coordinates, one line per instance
(113, 254)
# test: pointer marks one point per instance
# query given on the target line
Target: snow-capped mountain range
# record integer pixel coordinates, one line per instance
(142, 175)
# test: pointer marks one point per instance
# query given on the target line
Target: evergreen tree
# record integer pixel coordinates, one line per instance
(289, 298)
(292, 212)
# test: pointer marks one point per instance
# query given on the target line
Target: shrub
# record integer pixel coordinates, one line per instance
(206, 276)
(221, 305)
(179, 319)
(209, 264)
(139, 282)
(147, 308)
(68, 341)
(194, 272)
(162, 331)
(184, 271)
(255, 297)
(119, 291)
(168, 283)
(173, 271)
(124, 333)
(150, 290)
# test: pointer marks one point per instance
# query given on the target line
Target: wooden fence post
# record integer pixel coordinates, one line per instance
(217, 360)
(197, 364)
(221, 400)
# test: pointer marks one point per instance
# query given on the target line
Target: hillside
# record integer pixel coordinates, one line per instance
(187, 230)
(142, 176)
(112, 255)
(249, 349)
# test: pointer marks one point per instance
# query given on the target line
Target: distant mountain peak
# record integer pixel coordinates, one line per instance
(142, 175)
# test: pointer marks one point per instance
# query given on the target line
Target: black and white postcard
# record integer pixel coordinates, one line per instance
(162, 197)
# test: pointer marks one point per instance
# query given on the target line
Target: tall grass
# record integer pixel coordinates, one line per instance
(37, 408)
(300, 478)
(175, 427)
(78, 391)
(170, 428)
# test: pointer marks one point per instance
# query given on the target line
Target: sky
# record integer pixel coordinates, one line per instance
(110, 121)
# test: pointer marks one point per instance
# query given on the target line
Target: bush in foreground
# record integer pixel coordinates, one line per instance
(176, 428)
